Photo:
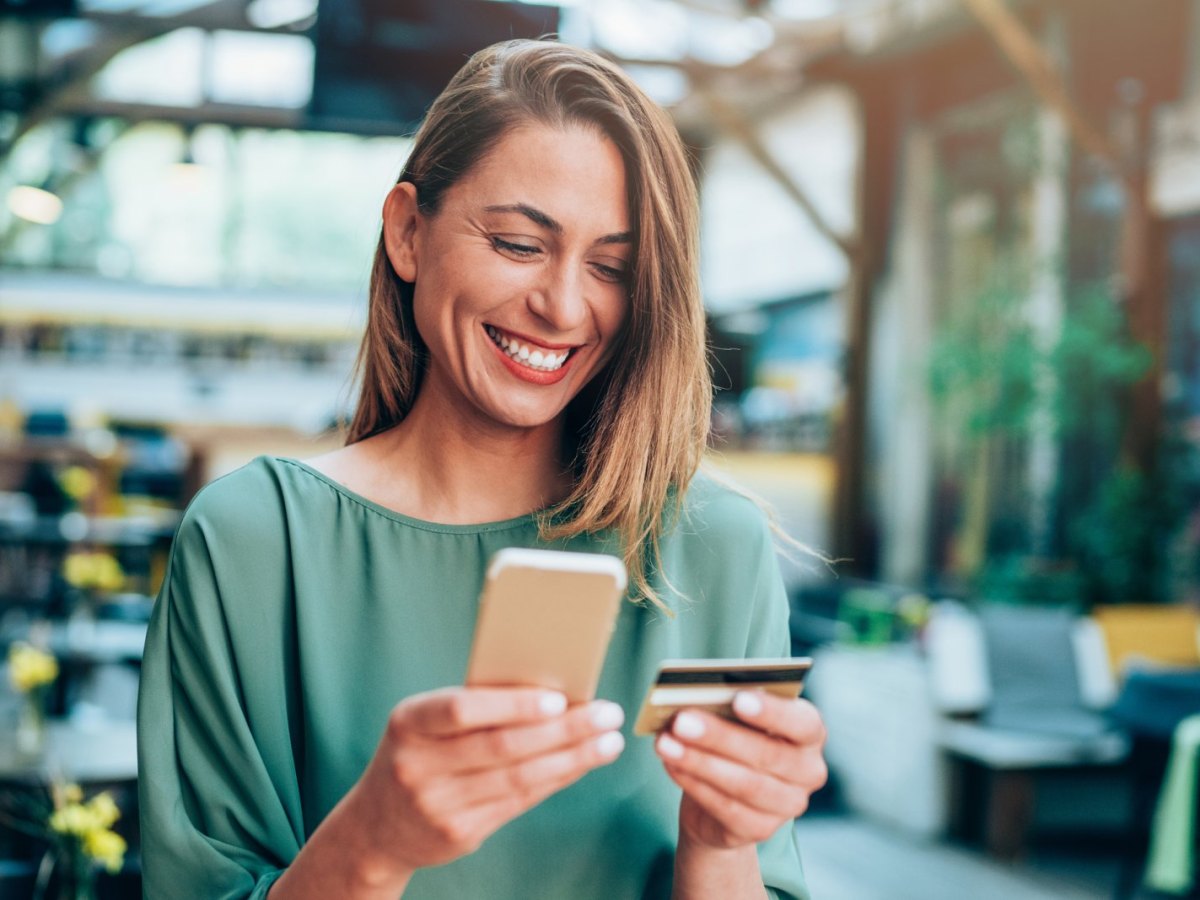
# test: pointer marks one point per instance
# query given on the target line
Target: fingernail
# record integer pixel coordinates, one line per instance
(553, 704)
(670, 747)
(607, 716)
(610, 744)
(747, 704)
(688, 725)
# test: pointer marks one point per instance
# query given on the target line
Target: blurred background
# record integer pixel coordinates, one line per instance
(951, 260)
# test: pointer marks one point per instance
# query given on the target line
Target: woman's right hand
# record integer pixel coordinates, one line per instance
(455, 764)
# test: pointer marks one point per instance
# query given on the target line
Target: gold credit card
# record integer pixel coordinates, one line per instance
(710, 684)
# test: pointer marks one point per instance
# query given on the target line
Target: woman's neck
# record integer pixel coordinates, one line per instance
(460, 469)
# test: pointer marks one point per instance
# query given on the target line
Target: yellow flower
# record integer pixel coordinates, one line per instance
(77, 482)
(93, 570)
(74, 818)
(105, 847)
(104, 811)
(78, 569)
(109, 576)
(65, 792)
(29, 667)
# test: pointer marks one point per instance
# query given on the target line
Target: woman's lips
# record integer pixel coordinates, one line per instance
(531, 341)
(528, 361)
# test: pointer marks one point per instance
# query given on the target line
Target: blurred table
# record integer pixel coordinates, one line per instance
(883, 734)
(84, 753)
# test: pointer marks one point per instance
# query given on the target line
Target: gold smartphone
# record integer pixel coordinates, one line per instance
(545, 620)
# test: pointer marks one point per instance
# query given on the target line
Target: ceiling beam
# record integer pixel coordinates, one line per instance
(75, 89)
(740, 129)
(1023, 51)
(235, 115)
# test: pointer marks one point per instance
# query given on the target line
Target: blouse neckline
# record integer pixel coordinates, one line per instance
(387, 513)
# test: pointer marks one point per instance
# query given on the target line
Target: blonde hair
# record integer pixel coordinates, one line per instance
(637, 432)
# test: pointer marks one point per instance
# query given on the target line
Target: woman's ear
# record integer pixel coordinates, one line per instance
(400, 219)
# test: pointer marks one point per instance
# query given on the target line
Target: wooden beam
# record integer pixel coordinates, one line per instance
(1023, 51)
(75, 89)
(738, 127)
(234, 115)
(855, 535)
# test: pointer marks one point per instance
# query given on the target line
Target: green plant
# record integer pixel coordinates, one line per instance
(997, 384)
(1126, 538)
(983, 364)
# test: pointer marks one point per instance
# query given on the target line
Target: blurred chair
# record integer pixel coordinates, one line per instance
(1155, 651)
(1153, 706)
(1162, 635)
(1021, 689)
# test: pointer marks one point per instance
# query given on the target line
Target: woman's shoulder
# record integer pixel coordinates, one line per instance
(243, 504)
(716, 522)
(712, 504)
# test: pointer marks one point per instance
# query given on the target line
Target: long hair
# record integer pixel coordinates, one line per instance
(636, 433)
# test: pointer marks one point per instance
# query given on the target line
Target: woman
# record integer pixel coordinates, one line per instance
(533, 375)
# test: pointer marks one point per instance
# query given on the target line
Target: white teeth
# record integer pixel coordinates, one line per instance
(543, 361)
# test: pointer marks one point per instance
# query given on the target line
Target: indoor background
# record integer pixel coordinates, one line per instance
(951, 262)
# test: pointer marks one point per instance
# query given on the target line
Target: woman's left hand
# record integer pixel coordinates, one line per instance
(741, 782)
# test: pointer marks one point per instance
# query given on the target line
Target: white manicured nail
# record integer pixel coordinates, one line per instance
(748, 704)
(610, 744)
(669, 747)
(688, 725)
(553, 704)
(607, 716)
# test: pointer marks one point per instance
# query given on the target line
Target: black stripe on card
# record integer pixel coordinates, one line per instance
(734, 676)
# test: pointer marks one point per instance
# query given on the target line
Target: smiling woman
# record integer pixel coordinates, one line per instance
(533, 375)
(531, 290)
(546, 120)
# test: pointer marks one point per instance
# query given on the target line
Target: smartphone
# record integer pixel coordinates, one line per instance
(711, 684)
(545, 620)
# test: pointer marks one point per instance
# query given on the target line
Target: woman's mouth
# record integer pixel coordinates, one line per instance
(531, 356)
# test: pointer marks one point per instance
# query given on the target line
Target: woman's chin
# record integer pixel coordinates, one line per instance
(521, 416)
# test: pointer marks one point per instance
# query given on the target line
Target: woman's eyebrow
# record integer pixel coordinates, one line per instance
(536, 215)
(540, 218)
(621, 237)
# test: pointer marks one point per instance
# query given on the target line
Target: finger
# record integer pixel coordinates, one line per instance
(457, 710)
(759, 790)
(492, 747)
(796, 720)
(775, 755)
(528, 780)
(743, 823)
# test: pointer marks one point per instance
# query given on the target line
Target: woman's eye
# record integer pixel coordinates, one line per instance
(611, 273)
(515, 249)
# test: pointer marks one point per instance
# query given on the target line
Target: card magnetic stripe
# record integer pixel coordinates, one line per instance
(759, 676)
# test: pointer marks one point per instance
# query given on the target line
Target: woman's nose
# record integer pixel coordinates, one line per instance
(561, 301)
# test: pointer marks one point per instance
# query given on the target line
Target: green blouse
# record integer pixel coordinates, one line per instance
(295, 614)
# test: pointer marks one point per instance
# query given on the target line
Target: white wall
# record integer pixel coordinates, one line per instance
(757, 244)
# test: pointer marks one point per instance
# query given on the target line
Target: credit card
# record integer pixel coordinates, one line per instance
(711, 684)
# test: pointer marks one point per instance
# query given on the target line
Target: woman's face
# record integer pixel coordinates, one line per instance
(521, 276)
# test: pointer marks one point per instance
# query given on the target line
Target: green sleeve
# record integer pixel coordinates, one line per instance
(217, 818)
(779, 856)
